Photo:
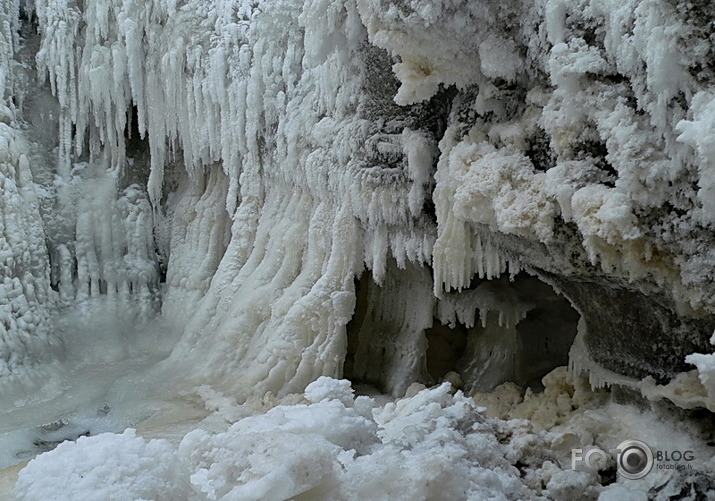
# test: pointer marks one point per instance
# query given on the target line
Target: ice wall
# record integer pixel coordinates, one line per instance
(25, 294)
(243, 128)
(237, 164)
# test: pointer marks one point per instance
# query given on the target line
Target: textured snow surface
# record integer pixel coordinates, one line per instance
(225, 201)
(436, 444)
(122, 467)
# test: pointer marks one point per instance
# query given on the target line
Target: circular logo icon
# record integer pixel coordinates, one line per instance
(635, 459)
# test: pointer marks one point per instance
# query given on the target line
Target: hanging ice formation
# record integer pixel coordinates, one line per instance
(236, 165)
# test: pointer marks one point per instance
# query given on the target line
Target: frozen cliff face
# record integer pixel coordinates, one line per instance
(238, 165)
(387, 191)
(257, 158)
(576, 149)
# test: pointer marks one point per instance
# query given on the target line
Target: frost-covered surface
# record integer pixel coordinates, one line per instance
(602, 136)
(122, 467)
(25, 295)
(574, 142)
(577, 146)
(202, 181)
(435, 445)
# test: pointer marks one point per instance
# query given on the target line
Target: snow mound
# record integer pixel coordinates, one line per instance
(434, 445)
(112, 467)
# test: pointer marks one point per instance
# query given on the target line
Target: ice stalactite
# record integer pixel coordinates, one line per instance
(488, 299)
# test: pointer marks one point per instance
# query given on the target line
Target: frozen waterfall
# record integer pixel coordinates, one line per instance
(357, 249)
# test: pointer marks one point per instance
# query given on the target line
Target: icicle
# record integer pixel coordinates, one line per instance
(489, 297)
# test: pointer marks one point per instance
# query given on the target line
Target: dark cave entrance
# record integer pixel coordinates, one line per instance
(547, 332)
(521, 330)
(386, 342)
(445, 348)
(499, 330)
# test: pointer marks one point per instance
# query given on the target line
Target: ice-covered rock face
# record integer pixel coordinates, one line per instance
(230, 199)
(232, 167)
(575, 149)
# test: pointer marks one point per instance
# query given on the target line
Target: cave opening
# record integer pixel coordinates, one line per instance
(446, 346)
(386, 345)
(353, 327)
(515, 329)
(547, 333)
